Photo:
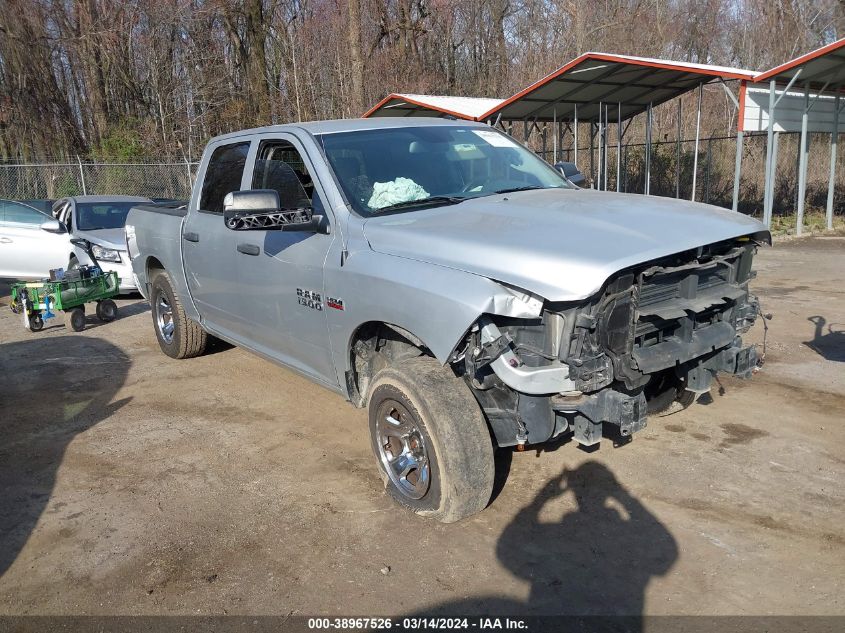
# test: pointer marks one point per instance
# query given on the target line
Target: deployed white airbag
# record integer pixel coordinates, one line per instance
(398, 190)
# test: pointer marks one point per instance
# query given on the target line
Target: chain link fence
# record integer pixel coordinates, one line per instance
(57, 180)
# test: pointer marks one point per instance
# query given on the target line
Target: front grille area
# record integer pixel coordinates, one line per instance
(676, 313)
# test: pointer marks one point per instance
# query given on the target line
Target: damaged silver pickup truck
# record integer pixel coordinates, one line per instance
(445, 277)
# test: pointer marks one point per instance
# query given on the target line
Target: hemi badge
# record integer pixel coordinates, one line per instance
(337, 304)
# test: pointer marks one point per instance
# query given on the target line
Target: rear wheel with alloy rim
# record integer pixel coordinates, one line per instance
(178, 336)
(430, 440)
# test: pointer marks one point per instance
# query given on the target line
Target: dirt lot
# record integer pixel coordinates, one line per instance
(132, 483)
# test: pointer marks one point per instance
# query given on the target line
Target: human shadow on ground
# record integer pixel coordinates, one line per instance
(595, 560)
(828, 344)
(51, 390)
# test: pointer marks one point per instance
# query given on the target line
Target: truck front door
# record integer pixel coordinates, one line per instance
(281, 273)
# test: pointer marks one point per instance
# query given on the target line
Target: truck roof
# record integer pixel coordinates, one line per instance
(349, 125)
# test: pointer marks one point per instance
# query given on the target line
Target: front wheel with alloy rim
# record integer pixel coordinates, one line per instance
(178, 336)
(430, 440)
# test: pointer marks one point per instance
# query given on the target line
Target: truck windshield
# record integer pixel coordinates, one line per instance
(410, 168)
(91, 216)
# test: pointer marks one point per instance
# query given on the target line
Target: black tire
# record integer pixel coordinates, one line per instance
(455, 441)
(186, 338)
(106, 310)
(75, 319)
(36, 323)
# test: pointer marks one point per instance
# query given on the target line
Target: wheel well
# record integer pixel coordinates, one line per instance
(153, 264)
(374, 346)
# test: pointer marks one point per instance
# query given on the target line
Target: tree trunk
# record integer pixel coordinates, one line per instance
(356, 60)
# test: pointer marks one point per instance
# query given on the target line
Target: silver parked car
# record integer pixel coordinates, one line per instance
(31, 242)
(100, 220)
(442, 275)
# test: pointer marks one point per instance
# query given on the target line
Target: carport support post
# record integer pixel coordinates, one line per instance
(678, 155)
(737, 169)
(619, 147)
(600, 134)
(557, 133)
(834, 137)
(576, 136)
(543, 141)
(768, 191)
(648, 149)
(697, 134)
(592, 160)
(606, 126)
(802, 163)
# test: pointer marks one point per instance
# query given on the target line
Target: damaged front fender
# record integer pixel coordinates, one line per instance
(437, 304)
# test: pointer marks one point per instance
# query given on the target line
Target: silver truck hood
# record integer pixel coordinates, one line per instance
(560, 244)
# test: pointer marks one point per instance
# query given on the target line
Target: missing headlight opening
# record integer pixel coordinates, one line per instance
(652, 339)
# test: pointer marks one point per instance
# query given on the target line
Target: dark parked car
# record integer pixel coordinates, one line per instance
(571, 173)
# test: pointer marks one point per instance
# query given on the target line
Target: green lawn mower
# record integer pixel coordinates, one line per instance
(67, 291)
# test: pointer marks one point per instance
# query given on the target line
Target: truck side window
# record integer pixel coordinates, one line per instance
(224, 173)
(279, 166)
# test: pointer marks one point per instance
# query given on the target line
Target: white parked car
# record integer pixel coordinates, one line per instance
(100, 220)
(31, 242)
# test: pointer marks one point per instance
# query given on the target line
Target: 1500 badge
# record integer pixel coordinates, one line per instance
(314, 300)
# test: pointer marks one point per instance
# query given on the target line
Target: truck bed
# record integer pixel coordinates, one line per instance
(167, 208)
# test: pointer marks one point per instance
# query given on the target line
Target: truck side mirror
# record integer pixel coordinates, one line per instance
(260, 210)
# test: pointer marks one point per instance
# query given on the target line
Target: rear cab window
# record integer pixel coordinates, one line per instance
(223, 175)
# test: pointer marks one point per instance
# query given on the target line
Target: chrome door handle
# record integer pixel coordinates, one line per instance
(5, 240)
(249, 249)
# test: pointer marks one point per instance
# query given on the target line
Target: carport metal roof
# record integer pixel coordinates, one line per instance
(821, 69)
(630, 83)
(399, 105)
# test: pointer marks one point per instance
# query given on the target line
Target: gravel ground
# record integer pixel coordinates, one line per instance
(131, 483)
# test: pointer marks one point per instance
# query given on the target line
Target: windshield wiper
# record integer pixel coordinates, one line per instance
(525, 188)
(421, 201)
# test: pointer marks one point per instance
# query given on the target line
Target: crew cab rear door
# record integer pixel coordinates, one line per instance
(208, 247)
(280, 273)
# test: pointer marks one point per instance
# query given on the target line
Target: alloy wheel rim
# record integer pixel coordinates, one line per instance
(164, 318)
(402, 450)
